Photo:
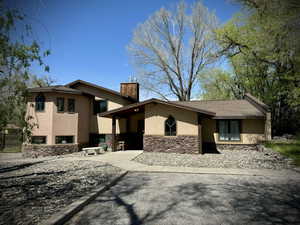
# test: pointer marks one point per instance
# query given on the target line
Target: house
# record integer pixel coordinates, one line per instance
(67, 118)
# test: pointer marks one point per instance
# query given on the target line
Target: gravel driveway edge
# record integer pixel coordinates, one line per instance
(68, 212)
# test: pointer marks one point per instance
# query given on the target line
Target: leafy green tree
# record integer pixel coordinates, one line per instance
(41, 81)
(264, 54)
(16, 57)
(217, 84)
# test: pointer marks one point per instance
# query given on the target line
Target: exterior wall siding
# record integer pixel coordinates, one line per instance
(156, 114)
(51, 123)
(252, 132)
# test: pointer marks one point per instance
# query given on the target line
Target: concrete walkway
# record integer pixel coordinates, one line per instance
(123, 160)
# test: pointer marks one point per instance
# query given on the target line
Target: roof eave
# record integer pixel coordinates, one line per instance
(239, 117)
(55, 91)
(153, 100)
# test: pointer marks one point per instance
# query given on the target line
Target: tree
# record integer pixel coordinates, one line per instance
(217, 84)
(171, 48)
(265, 59)
(42, 81)
(16, 57)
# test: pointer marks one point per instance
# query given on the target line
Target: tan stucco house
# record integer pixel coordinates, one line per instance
(66, 118)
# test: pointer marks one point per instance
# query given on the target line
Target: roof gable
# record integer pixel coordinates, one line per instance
(75, 83)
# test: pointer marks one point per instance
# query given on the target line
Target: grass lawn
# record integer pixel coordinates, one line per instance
(13, 149)
(291, 150)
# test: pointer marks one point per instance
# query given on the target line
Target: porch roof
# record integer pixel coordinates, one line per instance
(140, 107)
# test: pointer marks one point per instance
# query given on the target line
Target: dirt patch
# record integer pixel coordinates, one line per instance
(32, 190)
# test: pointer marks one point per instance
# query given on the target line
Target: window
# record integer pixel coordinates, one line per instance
(229, 130)
(71, 105)
(60, 104)
(100, 106)
(170, 126)
(38, 140)
(64, 139)
(40, 103)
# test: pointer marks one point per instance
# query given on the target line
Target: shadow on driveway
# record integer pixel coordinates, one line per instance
(166, 198)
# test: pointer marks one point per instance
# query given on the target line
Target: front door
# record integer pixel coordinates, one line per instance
(140, 134)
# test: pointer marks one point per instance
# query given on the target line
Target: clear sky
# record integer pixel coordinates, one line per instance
(88, 38)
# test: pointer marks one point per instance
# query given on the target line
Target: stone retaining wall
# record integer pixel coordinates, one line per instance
(176, 144)
(34, 150)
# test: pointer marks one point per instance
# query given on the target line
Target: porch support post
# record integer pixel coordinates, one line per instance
(113, 142)
(200, 135)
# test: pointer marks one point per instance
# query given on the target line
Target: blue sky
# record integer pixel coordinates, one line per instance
(88, 39)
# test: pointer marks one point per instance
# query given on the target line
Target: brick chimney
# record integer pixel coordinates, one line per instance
(130, 90)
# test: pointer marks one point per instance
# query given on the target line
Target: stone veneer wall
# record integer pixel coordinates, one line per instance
(176, 144)
(34, 150)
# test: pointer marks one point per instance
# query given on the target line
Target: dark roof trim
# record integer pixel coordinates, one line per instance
(257, 103)
(55, 89)
(154, 100)
(100, 88)
(237, 117)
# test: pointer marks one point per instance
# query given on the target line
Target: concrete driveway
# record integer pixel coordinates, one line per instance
(177, 198)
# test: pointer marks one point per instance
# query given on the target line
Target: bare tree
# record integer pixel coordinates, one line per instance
(171, 48)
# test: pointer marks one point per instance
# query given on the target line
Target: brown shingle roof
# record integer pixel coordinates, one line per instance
(56, 88)
(226, 108)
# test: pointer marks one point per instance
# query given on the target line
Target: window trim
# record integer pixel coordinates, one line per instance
(39, 143)
(68, 105)
(63, 101)
(165, 134)
(35, 102)
(228, 121)
(73, 139)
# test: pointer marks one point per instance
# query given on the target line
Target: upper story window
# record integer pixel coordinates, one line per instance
(170, 126)
(229, 130)
(40, 103)
(100, 106)
(60, 103)
(71, 105)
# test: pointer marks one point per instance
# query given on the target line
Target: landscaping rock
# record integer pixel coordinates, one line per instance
(32, 190)
(262, 159)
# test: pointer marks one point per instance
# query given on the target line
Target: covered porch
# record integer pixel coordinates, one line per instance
(143, 126)
(131, 126)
